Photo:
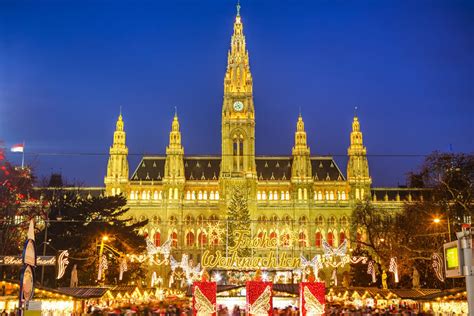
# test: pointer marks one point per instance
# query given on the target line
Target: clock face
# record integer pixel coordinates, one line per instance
(238, 106)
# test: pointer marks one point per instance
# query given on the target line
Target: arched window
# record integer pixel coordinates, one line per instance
(282, 195)
(342, 237)
(188, 195)
(201, 219)
(270, 195)
(362, 195)
(331, 221)
(318, 239)
(217, 195)
(300, 194)
(193, 195)
(274, 219)
(302, 239)
(211, 195)
(305, 193)
(343, 195)
(190, 239)
(204, 196)
(287, 195)
(175, 193)
(302, 220)
(331, 195)
(132, 195)
(287, 219)
(160, 196)
(157, 239)
(320, 195)
(214, 239)
(143, 195)
(327, 196)
(320, 220)
(174, 239)
(343, 221)
(285, 238)
(275, 195)
(273, 235)
(357, 194)
(118, 191)
(202, 239)
(173, 220)
(264, 195)
(155, 195)
(331, 239)
(170, 194)
(200, 195)
(188, 220)
(259, 195)
(113, 191)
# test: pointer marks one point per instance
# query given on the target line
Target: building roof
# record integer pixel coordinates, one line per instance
(207, 168)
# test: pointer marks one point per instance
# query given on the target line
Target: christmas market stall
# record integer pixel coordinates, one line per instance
(49, 301)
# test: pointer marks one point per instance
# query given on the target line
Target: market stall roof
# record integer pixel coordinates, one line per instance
(84, 292)
(414, 294)
(450, 294)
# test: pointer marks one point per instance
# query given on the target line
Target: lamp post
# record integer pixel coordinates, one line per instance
(44, 244)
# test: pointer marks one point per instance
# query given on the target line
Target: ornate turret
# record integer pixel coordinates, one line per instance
(116, 180)
(174, 165)
(358, 166)
(301, 167)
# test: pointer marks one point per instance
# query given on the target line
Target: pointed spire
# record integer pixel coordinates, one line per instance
(119, 124)
(301, 167)
(238, 77)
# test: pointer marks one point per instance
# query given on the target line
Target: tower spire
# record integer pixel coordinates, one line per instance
(301, 168)
(238, 78)
(116, 180)
(358, 166)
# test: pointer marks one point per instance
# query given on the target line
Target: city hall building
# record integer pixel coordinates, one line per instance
(301, 197)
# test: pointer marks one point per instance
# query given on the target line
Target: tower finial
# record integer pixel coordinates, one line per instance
(299, 113)
(175, 111)
(355, 111)
(238, 7)
(120, 111)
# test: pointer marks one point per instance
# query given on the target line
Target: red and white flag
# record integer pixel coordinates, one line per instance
(18, 148)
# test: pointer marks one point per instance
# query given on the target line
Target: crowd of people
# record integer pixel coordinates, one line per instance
(222, 310)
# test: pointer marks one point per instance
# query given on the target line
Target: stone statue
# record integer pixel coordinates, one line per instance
(416, 279)
(74, 279)
(384, 280)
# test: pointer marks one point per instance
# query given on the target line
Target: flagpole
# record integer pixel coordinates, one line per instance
(23, 156)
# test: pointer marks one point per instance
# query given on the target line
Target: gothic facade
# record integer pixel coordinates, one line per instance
(302, 195)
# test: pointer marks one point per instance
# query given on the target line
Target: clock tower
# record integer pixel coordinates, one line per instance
(238, 113)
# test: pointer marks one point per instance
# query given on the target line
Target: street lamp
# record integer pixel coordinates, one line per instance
(437, 220)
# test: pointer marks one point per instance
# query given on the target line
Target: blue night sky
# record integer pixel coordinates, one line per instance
(67, 66)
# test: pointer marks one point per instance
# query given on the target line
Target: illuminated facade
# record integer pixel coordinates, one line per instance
(305, 196)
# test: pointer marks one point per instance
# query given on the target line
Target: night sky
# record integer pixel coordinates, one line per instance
(67, 66)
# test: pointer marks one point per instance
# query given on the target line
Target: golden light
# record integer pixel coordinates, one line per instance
(105, 238)
(436, 220)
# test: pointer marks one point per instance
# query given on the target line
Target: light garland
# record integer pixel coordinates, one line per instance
(437, 265)
(394, 268)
